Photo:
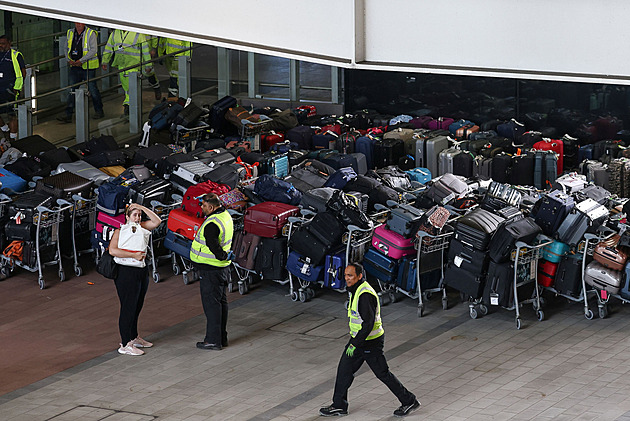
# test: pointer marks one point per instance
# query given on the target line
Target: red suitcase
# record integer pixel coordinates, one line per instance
(270, 139)
(184, 223)
(267, 219)
(191, 204)
(555, 145)
(546, 273)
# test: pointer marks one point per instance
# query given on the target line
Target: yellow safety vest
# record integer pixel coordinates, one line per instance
(19, 79)
(200, 253)
(355, 318)
(129, 48)
(171, 45)
(87, 33)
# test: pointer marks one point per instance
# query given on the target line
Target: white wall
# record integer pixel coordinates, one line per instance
(573, 40)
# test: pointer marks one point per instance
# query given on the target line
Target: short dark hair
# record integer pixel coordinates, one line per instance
(212, 199)
(5, 36)
(358, 268)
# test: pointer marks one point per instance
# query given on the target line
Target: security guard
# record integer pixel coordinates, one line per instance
(168, 46)
(12, 74)
(366, 344)
(128, 49)
(82, 55)
(210, 253)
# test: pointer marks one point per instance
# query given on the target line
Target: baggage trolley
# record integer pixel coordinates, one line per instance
(157, 235)
(46, 219)
(427, 244)
(189, 273)
(525, 258)
(188, 137)
(251, 132)
(244, 276)
(82, 208)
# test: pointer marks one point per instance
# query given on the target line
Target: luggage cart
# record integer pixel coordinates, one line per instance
(427, 244)
(603, 297)
(252, 131)
(81, 208)
(46, 219)
(244, 276)
(157, 235)
(188, 137)
(525, 258)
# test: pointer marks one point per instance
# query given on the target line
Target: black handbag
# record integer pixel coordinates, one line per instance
(106, 266)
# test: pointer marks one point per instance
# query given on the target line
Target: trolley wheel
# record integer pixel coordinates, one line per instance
(5, 272)
(421, 310)
(444, 304)
(384, 299)
(603, 312)
(483, 309)
(62, 276)
(302, 296)
(230, 287)
(176, 270)
(186, 279)
(42, 283)
(518, 323)
(473, 313)
(294, 296)
(589, 314)
(427, 295)
(392, 297)
(156, 277)
(78, 270)
(310, 293)
(242, 288)
(540, 315)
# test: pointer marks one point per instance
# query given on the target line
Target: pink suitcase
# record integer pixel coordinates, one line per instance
(392, 244)
(107, 224)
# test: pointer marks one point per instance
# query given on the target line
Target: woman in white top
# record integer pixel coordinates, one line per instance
(129, 248)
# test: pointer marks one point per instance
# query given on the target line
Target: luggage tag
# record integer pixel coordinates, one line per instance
(457, 261)
(494, 299)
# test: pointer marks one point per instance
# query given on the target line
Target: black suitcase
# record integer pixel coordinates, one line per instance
(189, 116)
(316, 199)
(339, 160)
(506, 236)
(26, 205)
(477, 227)
(463, 164)
(404, 220)
(468, 283)
(569, 276)
(106, 159)
(150, 156)
(522, 170)
(153, 189)
(102, 143)
(218, 110)
(54, 157)
(64, 185)
(316, 238)
(271, 259)
(465, 257)
(47, 253)
(28, 167)
(166, 165)
(502, 168)
(33, 145)
(78, 151)
(388, 152)
(20, 232)
(307, 178)
(499, 288)
(212, 157)
(230, 175)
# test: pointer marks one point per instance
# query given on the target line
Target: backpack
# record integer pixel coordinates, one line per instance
(273, 189)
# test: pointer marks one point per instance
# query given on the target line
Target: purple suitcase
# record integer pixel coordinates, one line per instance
(392, 244)
(440, 123)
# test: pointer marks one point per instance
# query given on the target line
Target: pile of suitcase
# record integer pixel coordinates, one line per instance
(425, 203)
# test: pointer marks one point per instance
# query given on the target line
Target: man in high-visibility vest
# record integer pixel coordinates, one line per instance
(82, 55)
(12, 74)
(168, 46)
(153, 41)
(125, 49)
(366, 344)
(210, 253)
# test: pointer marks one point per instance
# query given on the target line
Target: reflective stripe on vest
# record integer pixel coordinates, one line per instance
(19, 79)
(200, 253)
(170, 45)
(355, 318)
(87, 33)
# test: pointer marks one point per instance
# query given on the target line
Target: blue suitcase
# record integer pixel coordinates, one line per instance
(334, 271)
(380, 266)
(585, 152)
(554, 208)
(302, 267)
(324, 141)
(11, 182)
(277, 165)
(553, 252)
(419, 174)
(365, 145)
(178, 244)
(97, 241)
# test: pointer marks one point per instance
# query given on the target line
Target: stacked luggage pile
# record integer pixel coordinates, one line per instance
(491, 210)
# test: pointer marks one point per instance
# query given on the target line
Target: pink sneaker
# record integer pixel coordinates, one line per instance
(129, 349)
(141, 343)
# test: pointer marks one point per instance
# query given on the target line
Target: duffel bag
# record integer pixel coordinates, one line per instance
(273, 189)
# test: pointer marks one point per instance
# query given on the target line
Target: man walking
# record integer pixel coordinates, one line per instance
(366, 344)
(82, 54)
(12, 74)
(210, 254)
(168, 46)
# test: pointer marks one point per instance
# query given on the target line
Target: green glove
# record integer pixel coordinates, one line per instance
(350, 350)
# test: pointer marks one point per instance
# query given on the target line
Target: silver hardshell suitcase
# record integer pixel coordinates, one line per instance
(85, 170)
(428, 150)
(191, 171)
(445, 164)
(602, 278)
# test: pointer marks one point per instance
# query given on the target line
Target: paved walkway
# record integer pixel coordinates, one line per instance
(282, 358)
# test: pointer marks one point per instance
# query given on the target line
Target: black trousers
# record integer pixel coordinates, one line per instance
(372, 354)
(131, 284)
(213, 285)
